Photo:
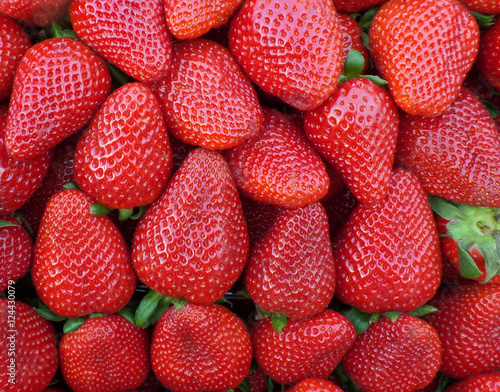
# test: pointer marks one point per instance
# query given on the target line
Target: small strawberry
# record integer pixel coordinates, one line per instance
(131, 34)
(468, 324)
(309, 348)
(314, 385)
(188, 20)
(488, 58)
(402, 355)
(200, 348)
(279, 165)
(206, 99)
(387, 255)
(291, 269)
(424, 49)
(192, 243)
(28, 351)
(480, 383)
(291, 49)
(352, 39)
(350, 6)
(455, 155)
(35, 12)
(81, 263)
(58, 87)
(124, 159)
(106, 353)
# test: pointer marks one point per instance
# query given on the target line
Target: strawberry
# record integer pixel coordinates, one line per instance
(124, 159)
(486, 7)
(424, 49)
(29, 348)
(106, 353)
(279, 165)
(314, 385)
(192, 243)
(468, 324)
(131, 34)
(204, 82)
(352, 39)
(387, 255)
(480, 383)
(35, 12)
(455, 155)
(350, 6)
(200, 348)
(291, 269)
(14, 44)
(16, 251)
(309, 348)
(291, 49)
(355, 129)
(488, 58)
(188, 20)
(402, 355)
(81, 263)
(58, 87)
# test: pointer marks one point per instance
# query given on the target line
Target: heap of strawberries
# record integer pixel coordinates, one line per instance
(259, 195)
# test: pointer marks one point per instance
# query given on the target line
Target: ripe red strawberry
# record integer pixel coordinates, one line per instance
(35, 12)
(188, 20)
(291, 49)
(455, 155)
(28, 351)
(14, 44)
(279, 165)
(207, 100)
(106, 353)
(352, 39)
(132, 34)
(193, 242)
(315, 385)
(124, 159)
(291, 269)
(387, 256)
(481, 383)
(58, 87)
(486, 7)
(488, 58)
(402, 355)
(468, 324)
(309, 348)
(16, 251)
(81, 263)
(355, 129)
(424, 50)
(350, 6)
(200, 348)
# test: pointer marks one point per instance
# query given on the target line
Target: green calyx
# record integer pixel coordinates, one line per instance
(353, 66)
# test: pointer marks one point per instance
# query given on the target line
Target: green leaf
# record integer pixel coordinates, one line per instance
(375, 79)
(484, 21)
(128, 314)
(117, 74)
(99, 210)
(146, 308)
(347, 384)
(71, 185)
(245, 386)
(393, 316)
(163, 305)
(73, 324)
(279, 321)
(270, 384)
(140, 212)
(353, 65)
(444, 382)
(179, 303)
(360, 320)
(489, 250)
(445, 208)
(4, 223)
(366, 19)
(47, 313)
(492, 109)
(56, 31)
(125, 213)
(423, 310)
(468, 268)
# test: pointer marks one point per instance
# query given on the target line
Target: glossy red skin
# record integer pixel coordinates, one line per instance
(206, 99)
(106, 353)
(480, 383)
(36, 358)
(291, 270)
(81, 263)
(16, 252)
(124, 158)
(468, 324)
(188, 20)
(200, 348)
(139, 44)
(402, 355)
(279, 165)
(314, 385)
(349, 6)
(305, 30)
(487, 7)
(46, 108)
(455, 155)
(309, 348)
(352, 38)
(424, 50)
(488, 58)
(193, 242)
(35, 12)
(387, 256)
(355, 129)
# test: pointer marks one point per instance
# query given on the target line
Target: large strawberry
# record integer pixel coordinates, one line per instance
(106, 353)
(279, 165)
(124, 159)
(35, 12)
(81, 263)
(481, 383)
(424, 50)
(28, 351)
(291, 269)
(193, 242)
(130, 34)
(291, 49)
(355, 129)
(58, 87)
(387, 255)
(455, 155)
(200, 348)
